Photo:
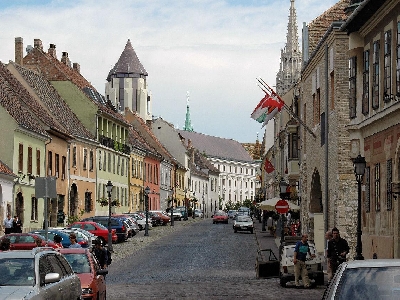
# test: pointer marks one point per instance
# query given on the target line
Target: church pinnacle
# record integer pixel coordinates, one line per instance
(188, 124)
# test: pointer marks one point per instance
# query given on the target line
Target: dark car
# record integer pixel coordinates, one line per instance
(118, 224)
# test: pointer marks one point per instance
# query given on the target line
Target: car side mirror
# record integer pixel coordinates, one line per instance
(51, 278)
(102, 272)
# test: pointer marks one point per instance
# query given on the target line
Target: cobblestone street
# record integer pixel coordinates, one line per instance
(195, 259)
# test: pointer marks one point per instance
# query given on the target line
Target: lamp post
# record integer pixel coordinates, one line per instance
(194, 205)
(109, 241)
(359, 170)
(283, 194)
(146, 204)
(186, 204)
(172, 209)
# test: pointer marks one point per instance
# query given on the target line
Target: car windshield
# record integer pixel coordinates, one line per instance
(102, 226)
(17, 272)
(370, 283)
(79, 262)
(243, 219)
(220, 213)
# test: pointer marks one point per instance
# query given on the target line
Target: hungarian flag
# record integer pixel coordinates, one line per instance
(268, 167)
(269, 104)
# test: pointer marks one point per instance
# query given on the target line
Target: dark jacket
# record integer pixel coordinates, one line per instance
(335, 248)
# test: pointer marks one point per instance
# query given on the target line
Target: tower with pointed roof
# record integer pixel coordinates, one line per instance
(126, 86)
(188, 124)
(290, 65)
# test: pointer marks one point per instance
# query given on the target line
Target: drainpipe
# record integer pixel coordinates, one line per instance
(325, 207)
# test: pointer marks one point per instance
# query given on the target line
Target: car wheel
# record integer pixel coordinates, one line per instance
(235, 231)
(251, 230)
(320, 280)
(282, 282)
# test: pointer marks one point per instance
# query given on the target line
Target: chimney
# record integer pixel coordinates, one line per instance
(65, 60)
(52, 51)
(37, 43)
(76, 67)
(19, 52)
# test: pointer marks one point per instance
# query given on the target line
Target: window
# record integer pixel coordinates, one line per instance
(293, 146)
(367, 190)
(74, 156)
(34, 209)
(377, 188)
(85, 159)
(99, 159)
(375, 75)
(37, 162)
(29, 160)
(20, 158)
(105, 162)
(389, 176)
(365, 96)
(49, 163)
(118, 164)
(398, 61)
(91, 160)
(387, 60)
(57, 164)
(88, 201)
(113, 163)
(63, 167)
(316, 106)
(123, 167)
(352, 86)
(323, 129)
(109, 162)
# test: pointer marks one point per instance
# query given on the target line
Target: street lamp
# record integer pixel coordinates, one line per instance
(186, 204)
(359, 170)
(146, 204)
(172, 209)
(194, 205)
(109, 190)
(284, 195)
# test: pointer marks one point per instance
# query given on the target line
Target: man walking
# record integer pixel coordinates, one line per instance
(337, 250)
(17, 225)
(8, 224)
(101, 254)
(299, 259)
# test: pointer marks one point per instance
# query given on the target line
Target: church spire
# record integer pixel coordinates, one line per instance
(290, 65)
(188, 123)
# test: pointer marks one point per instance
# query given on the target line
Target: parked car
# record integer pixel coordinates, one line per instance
(40, 273)
(164, 218)
(183, 211)
(365, 279)
(121, 228)
(97, 229)
(176, 214)
(140, 220)
(231, 213)
(243, 223)
(133, 227)
(220, 217)
(313, 264)
(65, 237)
(155, 218)
(26, 241)
(198, 213)
(85, 265)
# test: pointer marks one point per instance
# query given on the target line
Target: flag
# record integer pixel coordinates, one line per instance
(267, 108)
(268, 167)
(260, 108)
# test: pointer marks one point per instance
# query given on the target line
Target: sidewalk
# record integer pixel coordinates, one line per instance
(265, 240)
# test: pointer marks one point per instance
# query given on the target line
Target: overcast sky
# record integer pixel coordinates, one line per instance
(215, 49)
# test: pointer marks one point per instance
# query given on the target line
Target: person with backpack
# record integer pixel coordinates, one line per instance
(103, 256)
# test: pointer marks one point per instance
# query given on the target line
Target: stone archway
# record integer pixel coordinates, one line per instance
(316, 194)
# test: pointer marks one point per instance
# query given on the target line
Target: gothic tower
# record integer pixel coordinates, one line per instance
(126, 85)
(290, 65)
(188, 124)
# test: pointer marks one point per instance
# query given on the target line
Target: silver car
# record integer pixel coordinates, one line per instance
(40, 273)
(243, 223)
(366, 279)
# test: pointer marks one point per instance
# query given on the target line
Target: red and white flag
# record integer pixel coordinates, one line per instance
(268, 167)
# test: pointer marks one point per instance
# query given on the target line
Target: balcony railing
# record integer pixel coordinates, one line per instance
(117, 146)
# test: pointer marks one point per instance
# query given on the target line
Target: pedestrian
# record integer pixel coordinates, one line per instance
(299, 259)
(57, 241)
(5, 244)
(17, 225)
(8, 224)
(74, 244)
(338, 248)
(101, 254)
(328, 237)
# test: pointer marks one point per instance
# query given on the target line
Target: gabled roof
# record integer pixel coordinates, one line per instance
(55, 70)
(202, 163)
(128, 63)
(4, 169)
(12, 94)
(215, 146)
(53, 102)
(318, 26)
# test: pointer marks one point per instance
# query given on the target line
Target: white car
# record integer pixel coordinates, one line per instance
(243, 223)
(314, 264)
(40, 273)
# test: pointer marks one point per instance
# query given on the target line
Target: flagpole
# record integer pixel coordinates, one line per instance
(266, 86)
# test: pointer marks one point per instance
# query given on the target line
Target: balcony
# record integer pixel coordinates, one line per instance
(117, 146)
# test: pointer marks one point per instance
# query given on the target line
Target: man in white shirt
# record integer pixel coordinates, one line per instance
(8, 224)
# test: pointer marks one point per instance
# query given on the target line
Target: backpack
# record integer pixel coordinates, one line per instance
(109, 260)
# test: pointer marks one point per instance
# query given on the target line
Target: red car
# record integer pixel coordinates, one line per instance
(88, 270)
(220, 217)
(96, 229)
(164, 219)
(26, 241)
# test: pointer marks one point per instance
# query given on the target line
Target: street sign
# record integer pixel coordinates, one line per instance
(282, 206)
